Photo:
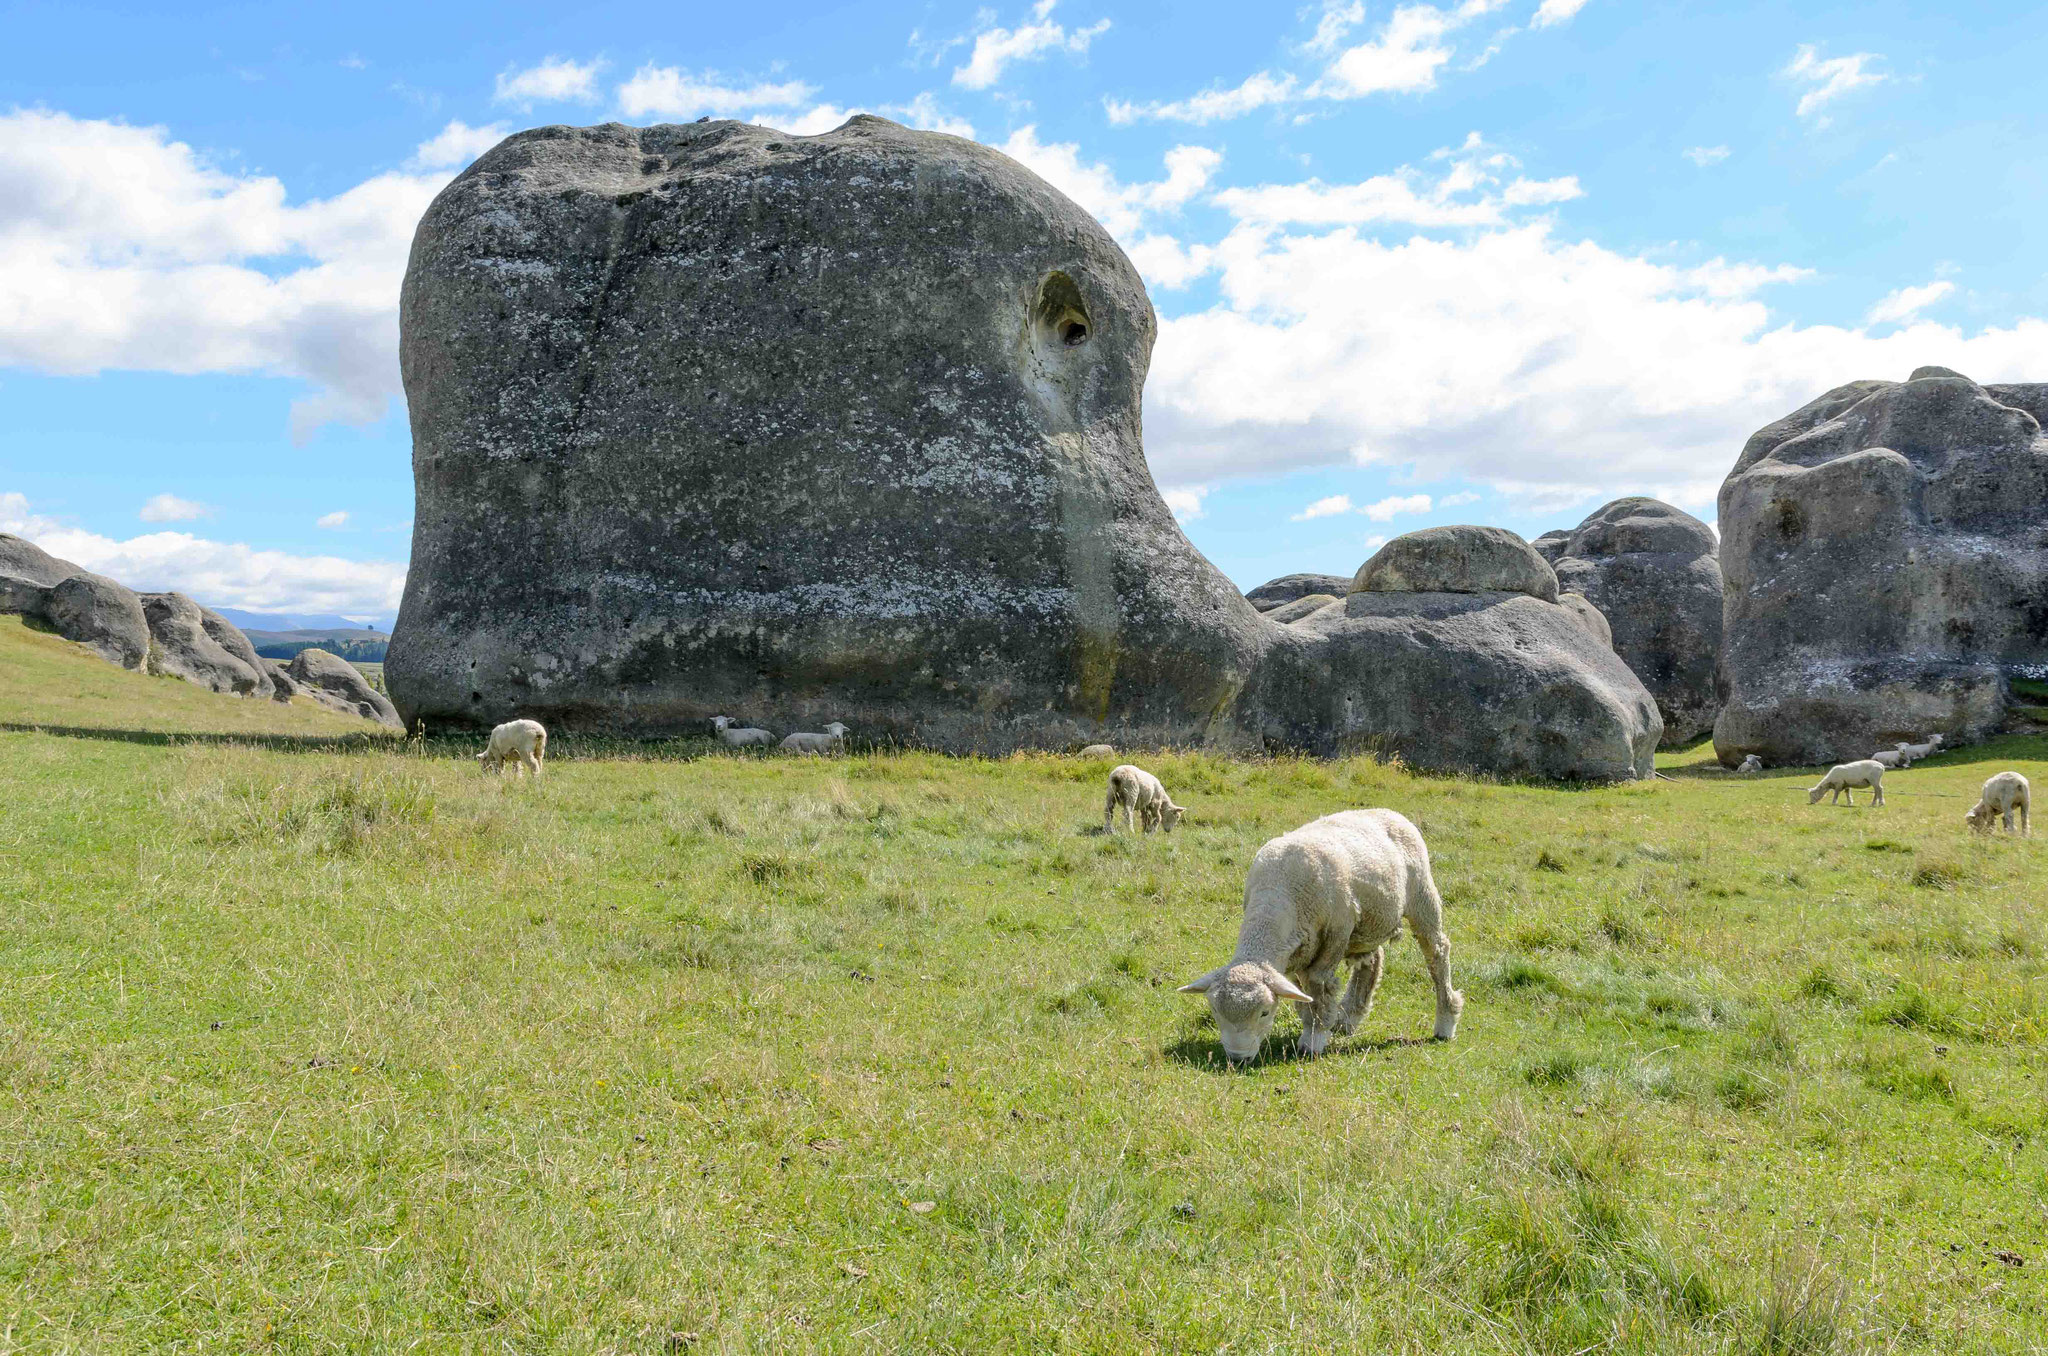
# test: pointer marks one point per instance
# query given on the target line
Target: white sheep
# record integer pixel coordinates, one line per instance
(1751, 764)
(2003, 793)
(521, 742)
(833, 739)
(1332, 890)
(1889, 757)
(1098, 751)
(1910, 754)
(1143, 798)
(740, 736)
(1864, 772)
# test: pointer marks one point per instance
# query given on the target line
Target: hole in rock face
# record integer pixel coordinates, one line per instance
(1060, 315)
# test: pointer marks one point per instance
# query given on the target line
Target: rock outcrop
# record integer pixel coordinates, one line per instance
(1654, 573)
(1463, 674)
(1886, 555)
(1591, 617)
(1301, 607)
(336, 684)
(189, 644)
(1290, 588)
(710, 419)
(98, 612)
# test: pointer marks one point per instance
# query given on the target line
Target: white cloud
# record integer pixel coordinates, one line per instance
(1473, 191)
(168, 508)
(1830, 78)
(336, 519)
(1386, 510)
(554, 81)
(219, 574)
(1403, 59)
(1128, 210)
(121, 248)
(1257, 91)
(1185, 501)
(1338, 20)
(1704, 156)
(1545, 368)
(1324, 508)
(1556, 12)
(1906, 303)
(922, 112)
(670, 92)
(1459, 499)
(455, 145)
(1375, 542)
(996, 48)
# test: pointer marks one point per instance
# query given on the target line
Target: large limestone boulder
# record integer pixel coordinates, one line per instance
(1654, 573)
(1289, 588)
(712, 419)
(1886, 555)
(27, 574)
(1458, 560)
(200, 646)
(1301, 607)
(1464, 675)
(334, 682)
(102, 614)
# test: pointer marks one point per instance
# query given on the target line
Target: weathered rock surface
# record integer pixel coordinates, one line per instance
(715, 420)
(1653, 571)
(1551, 544)
(334, 682)
(1458, 559)
(1290, 588)
(1301, 607)
(98, 612)
(27, 573)
(190, 645)
(1590, 617)
(1886, 555)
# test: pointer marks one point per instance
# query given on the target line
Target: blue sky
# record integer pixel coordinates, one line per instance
(1492, 261)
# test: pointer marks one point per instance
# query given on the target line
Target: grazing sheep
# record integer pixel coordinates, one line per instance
(832, 740)
(1751, 764)
(1910, 754)
(1864, 772)
(1143, 799)
(740, 736)
(1332, 890)
(523, 742)
(2003, 793)
(1098, 751)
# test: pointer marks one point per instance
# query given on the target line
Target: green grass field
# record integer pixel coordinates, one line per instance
(323, 1041)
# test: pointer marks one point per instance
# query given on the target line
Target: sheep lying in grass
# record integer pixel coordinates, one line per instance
(1910, 754)
(1098, 751)
(1864, 772)
(1751, 764)
(1889, 757)
(1143, 799)
(522, 742)
(1332, 890)
(740, 736)
(832, 740)
(2003, 793)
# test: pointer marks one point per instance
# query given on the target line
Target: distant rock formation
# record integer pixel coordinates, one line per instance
(167, 633)
(1653, 572)
(710, 419)
(1477, 669)
(1289, 588)
(1886, 554)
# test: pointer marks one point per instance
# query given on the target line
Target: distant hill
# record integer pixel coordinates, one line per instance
(324, 623)
(353, 643)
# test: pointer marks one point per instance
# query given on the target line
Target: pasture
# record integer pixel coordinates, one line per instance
(313, 1039)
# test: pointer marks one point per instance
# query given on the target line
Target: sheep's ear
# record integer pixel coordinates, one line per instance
(1287, 988)
(1200, 984)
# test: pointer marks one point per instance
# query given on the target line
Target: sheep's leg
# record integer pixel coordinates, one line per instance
(1436, 954)
(1109, 812)
(1877, 793)
(1357, 1005)
(1316, 1017)
(2026, 829)
(527, 762)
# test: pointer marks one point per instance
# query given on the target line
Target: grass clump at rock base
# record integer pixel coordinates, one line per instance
(347, 1046)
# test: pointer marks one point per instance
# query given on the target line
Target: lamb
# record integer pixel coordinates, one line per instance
(1910, 754)
(2003, 793)
(1143, 799)
(522, 742)
(1334, 889)
(1751, 764)
(833, 739)
(1864, 772)
(740, 736)
(1889, 757)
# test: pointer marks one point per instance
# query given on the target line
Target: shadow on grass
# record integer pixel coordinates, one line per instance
(1206, 1053)
(284, 743)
